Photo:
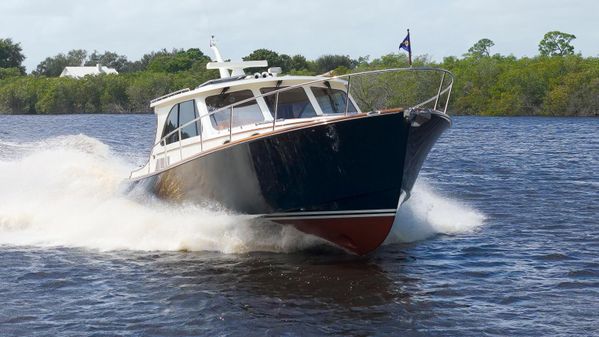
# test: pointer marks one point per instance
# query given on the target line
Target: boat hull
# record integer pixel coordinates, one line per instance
(340, 180)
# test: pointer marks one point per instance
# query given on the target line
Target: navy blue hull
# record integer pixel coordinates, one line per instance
(329, 171)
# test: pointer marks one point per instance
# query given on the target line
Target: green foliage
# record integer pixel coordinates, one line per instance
(53, 66)
(173, 61)
(393, 89)
(501, 85)
(155, 74)
(385, 61)
(142, 64)
(303, 72)
(273, 58)
(493, 85)
(9, 72)
(577, 92)
(11, 55)
(146, 86)
(556, 43)
(555, 83)
(20, 94)
(296, 64)
(128, 92)
(177, 61)
(299, 63)
(481, 48)
(341, 70)
(327, 63)
(108, 59)
(475, 78)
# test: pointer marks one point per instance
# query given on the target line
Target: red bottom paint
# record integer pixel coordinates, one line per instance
(359, 235)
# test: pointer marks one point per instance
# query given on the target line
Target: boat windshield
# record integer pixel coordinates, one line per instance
(332, 101)
(293, 103)
(243, 114)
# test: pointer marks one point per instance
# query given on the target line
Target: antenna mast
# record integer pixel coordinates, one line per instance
(224, 73)
(236, 68)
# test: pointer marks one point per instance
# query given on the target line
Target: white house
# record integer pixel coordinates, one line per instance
(79, 72)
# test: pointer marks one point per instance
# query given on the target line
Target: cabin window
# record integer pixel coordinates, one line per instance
(293, 103)
(243, 114)
(180, 115)
(332, 101)
(172, 123)
(187, 113)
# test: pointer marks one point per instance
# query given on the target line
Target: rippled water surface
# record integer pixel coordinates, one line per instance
(500, 238)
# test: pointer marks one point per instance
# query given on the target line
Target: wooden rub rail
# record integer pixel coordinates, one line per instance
(392, 110)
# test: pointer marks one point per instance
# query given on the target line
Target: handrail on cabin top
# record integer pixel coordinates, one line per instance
(158, 99)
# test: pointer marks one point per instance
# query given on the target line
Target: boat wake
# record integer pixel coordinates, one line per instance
(69, 191)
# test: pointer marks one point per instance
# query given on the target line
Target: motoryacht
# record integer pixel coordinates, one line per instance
(333, 156)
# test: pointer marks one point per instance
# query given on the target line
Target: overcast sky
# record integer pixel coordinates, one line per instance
(309, 27)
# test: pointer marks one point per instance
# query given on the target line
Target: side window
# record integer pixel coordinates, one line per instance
(293, 103)
(187, 113)
(180, 115)
(332, 101)
(172, 123)
(243, 114)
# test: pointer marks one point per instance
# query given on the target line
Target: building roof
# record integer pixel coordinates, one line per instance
(79, 72)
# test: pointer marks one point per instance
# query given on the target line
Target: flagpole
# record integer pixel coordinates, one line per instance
(410, 51)
(406, 45)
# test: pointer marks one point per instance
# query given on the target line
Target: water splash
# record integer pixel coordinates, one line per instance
(69, 191)
(427, 213)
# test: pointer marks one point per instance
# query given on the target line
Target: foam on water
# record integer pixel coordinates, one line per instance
(426, 213)
(70, 191)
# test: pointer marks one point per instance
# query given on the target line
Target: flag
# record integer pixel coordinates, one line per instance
(407, 46)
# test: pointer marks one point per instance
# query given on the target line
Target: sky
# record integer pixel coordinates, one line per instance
(312, 28)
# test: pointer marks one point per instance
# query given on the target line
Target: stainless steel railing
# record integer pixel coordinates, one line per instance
(169, 95)
(443, 91)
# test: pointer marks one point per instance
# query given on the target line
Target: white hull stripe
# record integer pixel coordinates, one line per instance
(338, 216)
(369, 211)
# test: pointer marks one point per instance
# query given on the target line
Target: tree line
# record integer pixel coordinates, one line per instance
(556, 82)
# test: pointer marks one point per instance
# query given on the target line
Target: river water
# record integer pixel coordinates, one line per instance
(500, 238)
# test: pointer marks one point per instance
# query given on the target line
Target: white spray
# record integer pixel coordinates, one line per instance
(426, 214)
(69, 191)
